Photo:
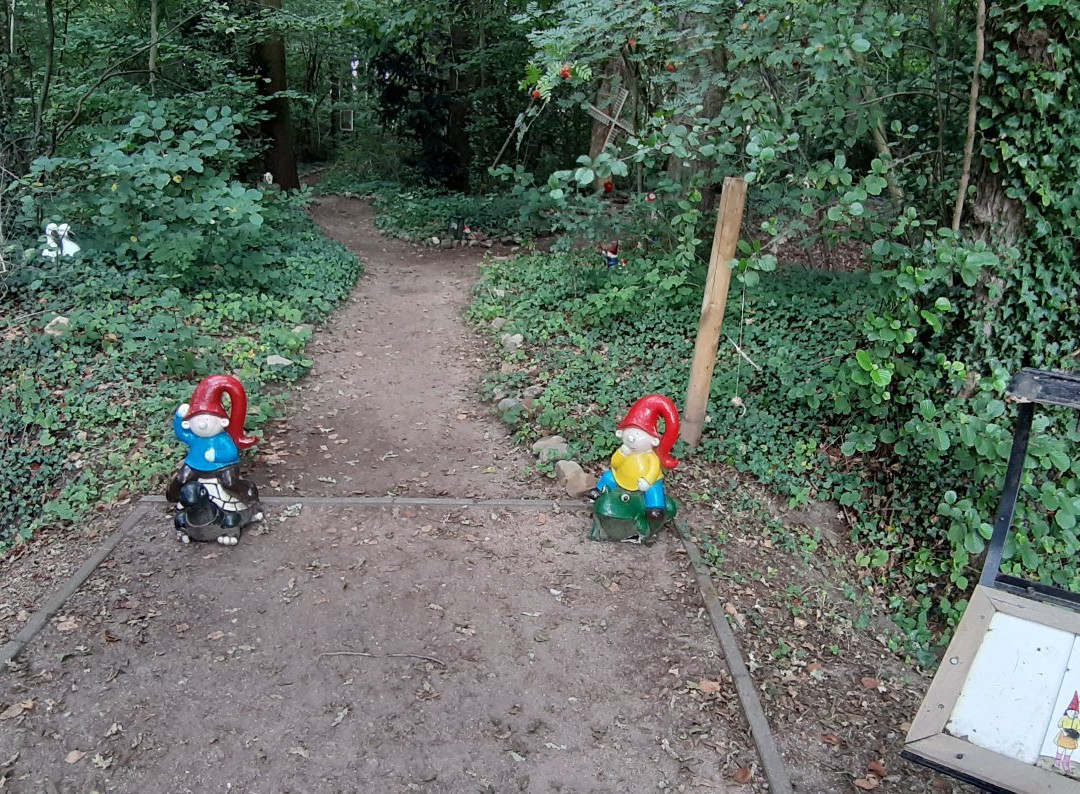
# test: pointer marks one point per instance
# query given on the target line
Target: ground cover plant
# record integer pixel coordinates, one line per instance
(936, 144)
(87, 400)
(417, 213)
(596, 338)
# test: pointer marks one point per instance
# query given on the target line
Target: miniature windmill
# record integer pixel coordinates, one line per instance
(613, 123)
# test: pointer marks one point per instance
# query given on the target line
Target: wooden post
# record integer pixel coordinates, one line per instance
(725, 239)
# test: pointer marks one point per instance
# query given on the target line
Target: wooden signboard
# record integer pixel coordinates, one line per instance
(1003, 711)
(1003, 707)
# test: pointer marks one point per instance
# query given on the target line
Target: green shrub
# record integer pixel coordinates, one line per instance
(919, 473)
(86, 412)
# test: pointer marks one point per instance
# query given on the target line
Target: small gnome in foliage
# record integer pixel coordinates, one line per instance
(213, 501)
(611, 253)
(637, 474)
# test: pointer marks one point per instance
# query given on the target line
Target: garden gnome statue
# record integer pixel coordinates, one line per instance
(213, 502)
(611, 253)
(59, 241)
(630, 502)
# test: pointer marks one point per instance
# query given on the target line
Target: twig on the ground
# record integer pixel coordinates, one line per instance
(431, 659)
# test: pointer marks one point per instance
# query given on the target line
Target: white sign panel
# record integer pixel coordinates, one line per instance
(1010, 693)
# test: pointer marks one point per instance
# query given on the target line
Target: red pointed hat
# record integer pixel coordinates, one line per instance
(646, 413)
(1074, 704)
(207, 400)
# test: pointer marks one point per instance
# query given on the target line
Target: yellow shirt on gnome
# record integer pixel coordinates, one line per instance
(628, 469)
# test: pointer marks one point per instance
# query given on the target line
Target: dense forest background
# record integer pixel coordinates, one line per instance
(909, 242)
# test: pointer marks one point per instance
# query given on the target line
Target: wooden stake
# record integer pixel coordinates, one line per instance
(725, 239)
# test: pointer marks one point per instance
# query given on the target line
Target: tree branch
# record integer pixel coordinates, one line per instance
(973, 106)
(50, 57)
(114, 71)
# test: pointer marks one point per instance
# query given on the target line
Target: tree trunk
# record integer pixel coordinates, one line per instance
(151, 64)
(994, 215)
(280, 157)
(614, 78)
(7, 76)
(457, 131)
(46, 80)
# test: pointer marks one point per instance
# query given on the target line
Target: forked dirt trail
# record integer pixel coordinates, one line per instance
(348, 648)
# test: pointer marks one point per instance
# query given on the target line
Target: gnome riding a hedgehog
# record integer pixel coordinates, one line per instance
(213, 502)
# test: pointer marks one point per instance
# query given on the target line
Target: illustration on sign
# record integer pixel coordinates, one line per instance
(1065, 733)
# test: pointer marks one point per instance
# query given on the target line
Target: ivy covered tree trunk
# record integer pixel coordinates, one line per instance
(1027, 204)
(1015, 47)
(280, 157)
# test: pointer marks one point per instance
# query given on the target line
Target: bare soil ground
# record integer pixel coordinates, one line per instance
(413, 650)
(366, 650)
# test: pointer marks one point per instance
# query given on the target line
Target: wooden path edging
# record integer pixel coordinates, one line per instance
(40, 618)
(771, 762)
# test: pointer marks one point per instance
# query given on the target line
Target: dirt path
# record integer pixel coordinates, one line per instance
(349, 649)
(389, 407)
(345, 650)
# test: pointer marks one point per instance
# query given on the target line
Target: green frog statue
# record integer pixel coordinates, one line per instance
(630, 503)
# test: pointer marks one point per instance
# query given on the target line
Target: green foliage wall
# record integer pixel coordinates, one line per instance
(848, 120)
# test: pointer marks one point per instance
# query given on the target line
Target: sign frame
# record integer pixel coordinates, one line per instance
(928, 741)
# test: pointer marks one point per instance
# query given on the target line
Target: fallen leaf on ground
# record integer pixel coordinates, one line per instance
(613, 587)
(831, 738)
(100, 761)
(868, 783)
(217, 635)
(542, 518)
(301, 751)
(878, 768)
(114, 729)
(871, 683)
(813, 667)
(15, 709)
(67, 624)
(340, 716)
(74, 757)
(23, 616)
(708, 687)
(743, 774)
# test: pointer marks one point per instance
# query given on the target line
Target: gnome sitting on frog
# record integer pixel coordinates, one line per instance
(213, 502)
(630, 502)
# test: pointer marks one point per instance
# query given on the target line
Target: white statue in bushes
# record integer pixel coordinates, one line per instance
(59, 241)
